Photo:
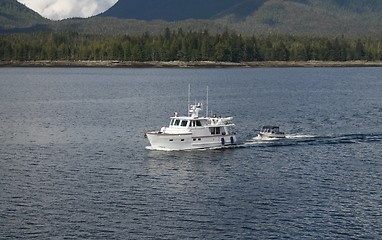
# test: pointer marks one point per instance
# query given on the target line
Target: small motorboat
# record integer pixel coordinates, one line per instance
(271, 132)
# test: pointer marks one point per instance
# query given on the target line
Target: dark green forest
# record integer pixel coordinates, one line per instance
(187, 46)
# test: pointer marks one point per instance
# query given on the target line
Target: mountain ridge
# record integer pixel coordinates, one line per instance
(16, 17)
(177, 10)
(311, 17)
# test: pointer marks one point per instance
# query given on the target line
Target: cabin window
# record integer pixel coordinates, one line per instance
(215, 130)
(195, 123)
(171, 140)
(184, 123)
(182, 140)
(172, 122)
(177, 121)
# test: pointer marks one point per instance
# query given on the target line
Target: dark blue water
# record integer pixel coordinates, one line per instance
(73, 162)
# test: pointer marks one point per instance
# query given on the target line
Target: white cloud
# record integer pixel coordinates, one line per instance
(61, 9)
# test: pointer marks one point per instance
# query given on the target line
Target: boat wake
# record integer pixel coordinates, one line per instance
(302, 139)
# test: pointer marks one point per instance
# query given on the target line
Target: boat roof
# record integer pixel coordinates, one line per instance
(270, 127)
(188, 118)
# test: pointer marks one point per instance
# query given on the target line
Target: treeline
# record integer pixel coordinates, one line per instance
(186, 46)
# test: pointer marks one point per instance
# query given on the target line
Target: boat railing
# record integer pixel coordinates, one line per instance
(219, 121)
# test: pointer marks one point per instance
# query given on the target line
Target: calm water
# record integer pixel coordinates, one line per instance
(73, 162)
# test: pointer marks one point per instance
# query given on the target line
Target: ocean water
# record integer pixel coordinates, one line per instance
(74, 163)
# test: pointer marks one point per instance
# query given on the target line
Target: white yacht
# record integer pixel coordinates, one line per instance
(271, 132)
(193, 132)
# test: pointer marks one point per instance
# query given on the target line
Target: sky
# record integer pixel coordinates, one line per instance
(61, 9)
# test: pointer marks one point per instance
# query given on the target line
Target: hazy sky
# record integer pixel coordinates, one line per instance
(61, 9)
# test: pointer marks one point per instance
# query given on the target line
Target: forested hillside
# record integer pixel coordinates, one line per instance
(249, 30)
(187, 46)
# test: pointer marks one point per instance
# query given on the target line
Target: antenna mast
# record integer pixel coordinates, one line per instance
(189, 95)
(207, 103)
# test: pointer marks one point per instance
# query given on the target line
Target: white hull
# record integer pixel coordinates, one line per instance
(271, 136)
(160, 141)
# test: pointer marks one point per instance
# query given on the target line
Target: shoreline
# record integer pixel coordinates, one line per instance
(196, 64)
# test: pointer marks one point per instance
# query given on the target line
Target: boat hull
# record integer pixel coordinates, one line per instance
(161, 141)
(271, 136)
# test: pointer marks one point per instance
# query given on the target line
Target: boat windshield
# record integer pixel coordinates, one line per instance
(270, 129)
(178, 122)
